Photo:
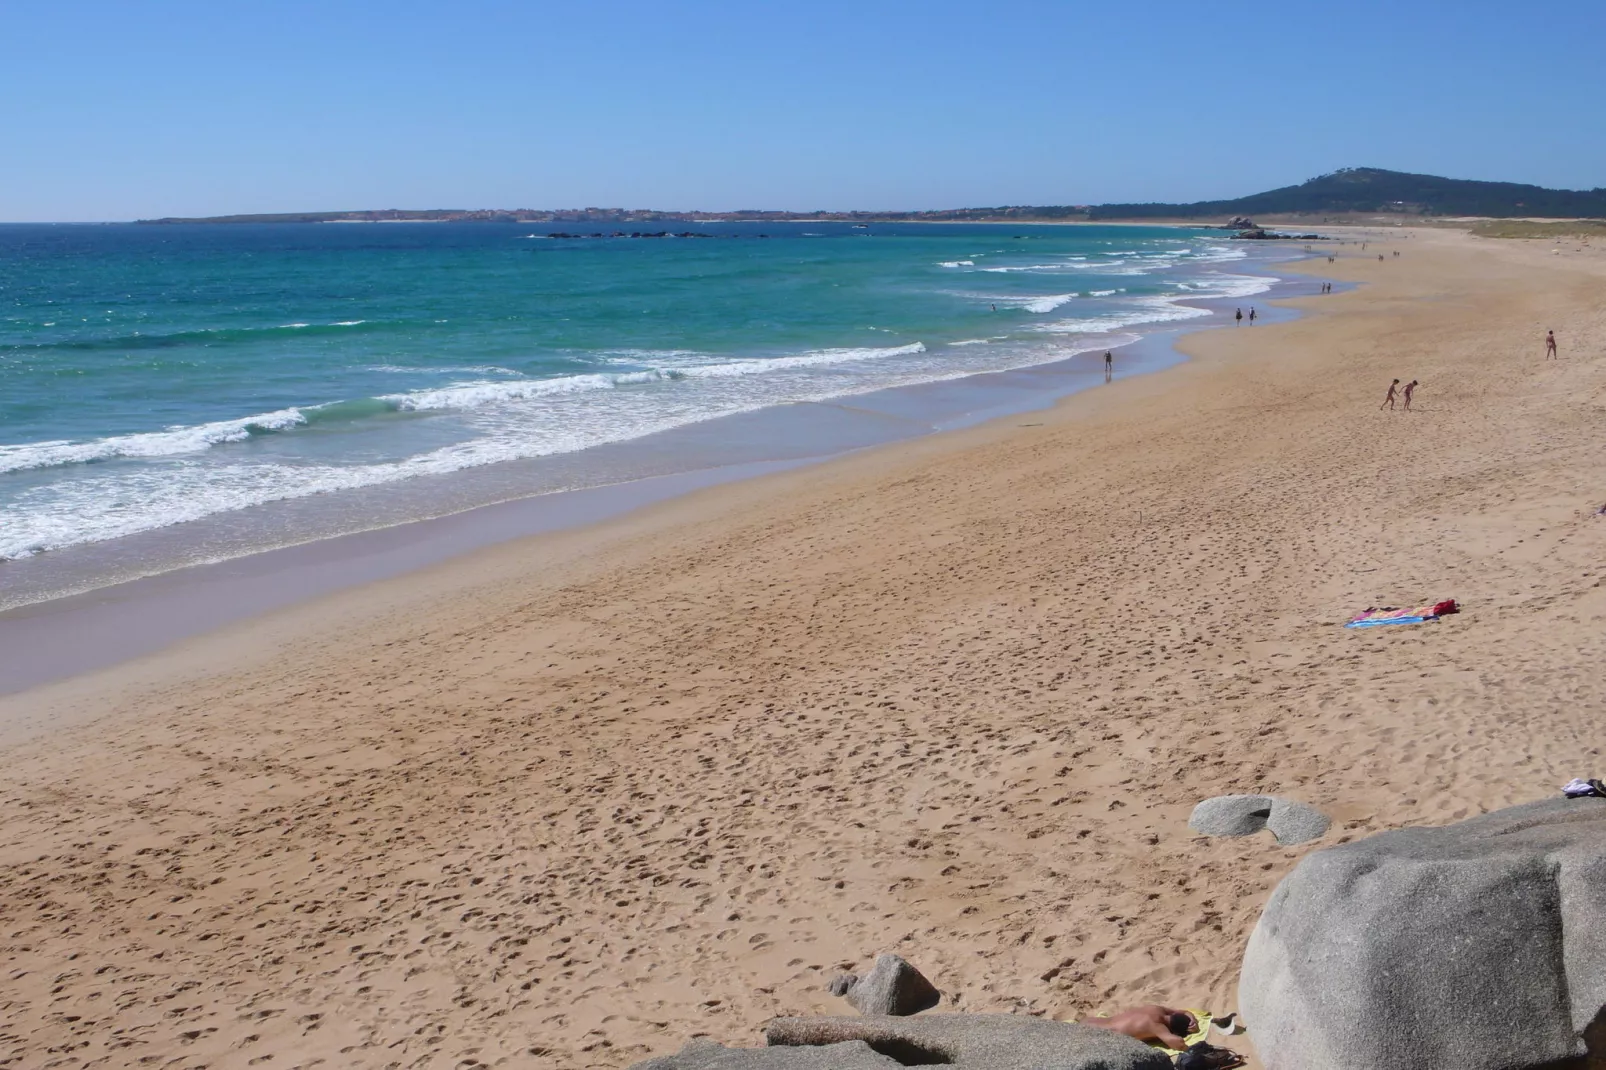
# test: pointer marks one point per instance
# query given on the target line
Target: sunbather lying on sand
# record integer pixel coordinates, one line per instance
(1153, 1022)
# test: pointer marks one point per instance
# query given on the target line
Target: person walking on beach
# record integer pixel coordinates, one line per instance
(1251, 315)
(1408, 388)
(1109, 366)
(1550, 346)
(1388, 402)
(1240, 318)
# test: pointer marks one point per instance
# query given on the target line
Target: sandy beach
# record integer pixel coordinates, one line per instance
(571, 800)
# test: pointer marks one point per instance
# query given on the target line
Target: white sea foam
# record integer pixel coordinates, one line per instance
(1221, 284)
(802, 360)
(175, 441)
(1221, 252)
(957, 263)
(651, 356)
(1039, 303)
(1049, 303)
(284, 327)
(102, 504)
(1101, 293)
(1005, 270)
(178, 440)
(474, 395)
(1145, 310)
(168, 443)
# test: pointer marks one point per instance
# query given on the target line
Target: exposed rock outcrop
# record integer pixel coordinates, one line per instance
(706, 1055)
(1476, 946)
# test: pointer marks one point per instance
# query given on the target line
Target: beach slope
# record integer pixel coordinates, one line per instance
(571, 800)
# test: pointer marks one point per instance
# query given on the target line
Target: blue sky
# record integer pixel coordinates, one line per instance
(118, 110)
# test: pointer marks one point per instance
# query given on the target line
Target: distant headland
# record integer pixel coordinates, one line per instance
(1347, 192)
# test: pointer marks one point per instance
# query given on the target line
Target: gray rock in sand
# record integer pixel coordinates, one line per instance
(1476, 946)
(706, 1055)
(1244, 815)
(975, 1041)
(892, 986)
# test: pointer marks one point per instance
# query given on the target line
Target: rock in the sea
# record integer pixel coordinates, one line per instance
(892, 986)
(706, 1055)
(1244, 815)
(974, 1041)
(1476, 946)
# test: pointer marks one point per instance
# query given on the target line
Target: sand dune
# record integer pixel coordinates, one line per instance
(571, 801)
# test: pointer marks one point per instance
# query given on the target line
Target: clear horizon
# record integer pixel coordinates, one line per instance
(184, 109)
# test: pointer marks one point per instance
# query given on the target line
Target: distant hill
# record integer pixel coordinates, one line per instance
(1351, 190)
(1371, 189)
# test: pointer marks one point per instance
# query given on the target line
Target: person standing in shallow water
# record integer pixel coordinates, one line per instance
(1550, 346)
(1251, 315)
(1408, 388)
(1109, 366)
(1388, 402)
(1240, 318)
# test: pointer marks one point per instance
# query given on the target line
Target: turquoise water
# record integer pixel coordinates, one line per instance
(152, 376)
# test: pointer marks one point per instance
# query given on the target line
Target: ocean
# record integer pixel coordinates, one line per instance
(244, 386)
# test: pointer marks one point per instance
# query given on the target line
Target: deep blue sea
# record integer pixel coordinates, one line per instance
(156, 375)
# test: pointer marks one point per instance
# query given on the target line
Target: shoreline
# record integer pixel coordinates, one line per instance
(72, 631)
(47, 559)
(570, 800)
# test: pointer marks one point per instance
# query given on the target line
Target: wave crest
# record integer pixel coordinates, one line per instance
(174, 440)
(180, 440)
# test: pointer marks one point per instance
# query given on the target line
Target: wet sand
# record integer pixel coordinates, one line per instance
(568, 801)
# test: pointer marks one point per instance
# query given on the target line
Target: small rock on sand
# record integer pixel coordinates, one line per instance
(1244, 815)
(892, 986)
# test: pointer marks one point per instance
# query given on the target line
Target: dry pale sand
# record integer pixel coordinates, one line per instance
(571, 801)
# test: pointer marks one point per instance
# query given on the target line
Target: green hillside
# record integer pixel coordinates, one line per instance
(1371, 189)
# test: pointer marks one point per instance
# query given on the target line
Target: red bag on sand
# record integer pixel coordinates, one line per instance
(1446, 606)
